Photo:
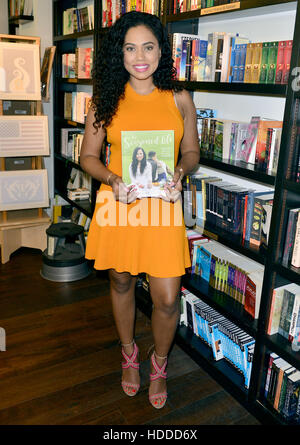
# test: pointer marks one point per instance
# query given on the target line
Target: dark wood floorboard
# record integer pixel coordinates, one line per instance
(62, 363)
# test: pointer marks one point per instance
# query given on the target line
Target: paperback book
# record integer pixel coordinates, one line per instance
(148, 161)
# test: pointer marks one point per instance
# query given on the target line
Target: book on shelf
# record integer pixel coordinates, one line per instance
(79, 185)
(295, 260)
(76, 105)
(289, 242)
(147, 161)
(71, 140)
(261, 220)
(78, 19)
(78, 65)
(84, 63)
(225, 339)
(228, 57)
(17, 8)
(233, 274)
(112, 10)
(282, 388)
(228, 207)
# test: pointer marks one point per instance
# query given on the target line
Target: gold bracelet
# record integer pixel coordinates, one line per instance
(181, 172)
(108, 178)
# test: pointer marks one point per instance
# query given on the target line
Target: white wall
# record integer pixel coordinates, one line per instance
(42, 27)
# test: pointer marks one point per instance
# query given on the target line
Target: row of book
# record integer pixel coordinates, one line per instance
(71, 140)
(256, 142)
(226, 340)
(79, 185)
(282, 388)
(291, 251)
(227, 57)
(233, 274)
(77, 65)
(76, 105)
(62, 213)
(17, 8)
(284, 317)
(113, 9)
(242, 212)
(78, 19)
(178, 6)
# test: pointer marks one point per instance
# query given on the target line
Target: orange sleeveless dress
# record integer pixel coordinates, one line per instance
(149, 234)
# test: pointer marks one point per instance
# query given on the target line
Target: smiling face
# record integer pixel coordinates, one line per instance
(141, 52)
(139, 155)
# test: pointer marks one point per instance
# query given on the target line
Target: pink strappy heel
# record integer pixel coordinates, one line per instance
(160, 373)
(130, 363)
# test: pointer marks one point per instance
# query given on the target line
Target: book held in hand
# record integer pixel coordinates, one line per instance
(148, 161)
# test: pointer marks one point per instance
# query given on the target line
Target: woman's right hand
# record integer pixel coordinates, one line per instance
(121, 192)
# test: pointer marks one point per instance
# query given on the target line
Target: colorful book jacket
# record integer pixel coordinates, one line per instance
(148, 161)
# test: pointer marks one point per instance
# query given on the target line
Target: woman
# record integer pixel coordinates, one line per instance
(140, 171)
(134, 91)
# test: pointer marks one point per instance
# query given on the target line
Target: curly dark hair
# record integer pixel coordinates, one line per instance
(109, 73)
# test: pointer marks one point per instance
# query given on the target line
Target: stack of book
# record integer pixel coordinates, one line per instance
(284, 318)
(244, 213)
(233, 274)
(71, 140)
(226, 340)
(225, 57)
(79, 185)
(76, 105)
(113, 9)
(17, 8)
(178, 6)
(291, 252)
(78, 65)
(282, 388)
(78, 19)
(256, 142)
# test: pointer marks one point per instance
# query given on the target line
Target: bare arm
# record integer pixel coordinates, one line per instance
(91, 149)
(189, 147)
(90, 162)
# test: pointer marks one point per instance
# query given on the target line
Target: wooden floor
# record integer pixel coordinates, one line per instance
(62, 360)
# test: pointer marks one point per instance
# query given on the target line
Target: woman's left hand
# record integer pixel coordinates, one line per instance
(174, 188)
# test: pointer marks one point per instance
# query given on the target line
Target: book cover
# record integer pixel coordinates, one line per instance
(287, 61)
(290, 236)
(295, 261)
(264, 63)
(274, 151)
(260, 151)
(256, 62)
(259, 218)
(248, 154)
(280, 62)
(142, 151)
(249, 62)
(272, 61)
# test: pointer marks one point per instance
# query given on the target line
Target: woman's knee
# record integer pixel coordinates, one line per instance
(168, 304)
(121, 282)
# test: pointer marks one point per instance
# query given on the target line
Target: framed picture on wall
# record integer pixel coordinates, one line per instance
(24, 136)
(20, 77)
(23, 189)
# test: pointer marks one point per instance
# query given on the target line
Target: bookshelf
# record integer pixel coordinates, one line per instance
(277, 99)
(281, 99)
(66, 43)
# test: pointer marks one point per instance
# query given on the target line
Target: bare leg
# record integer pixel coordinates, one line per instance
(122, 292)
(165, 297)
